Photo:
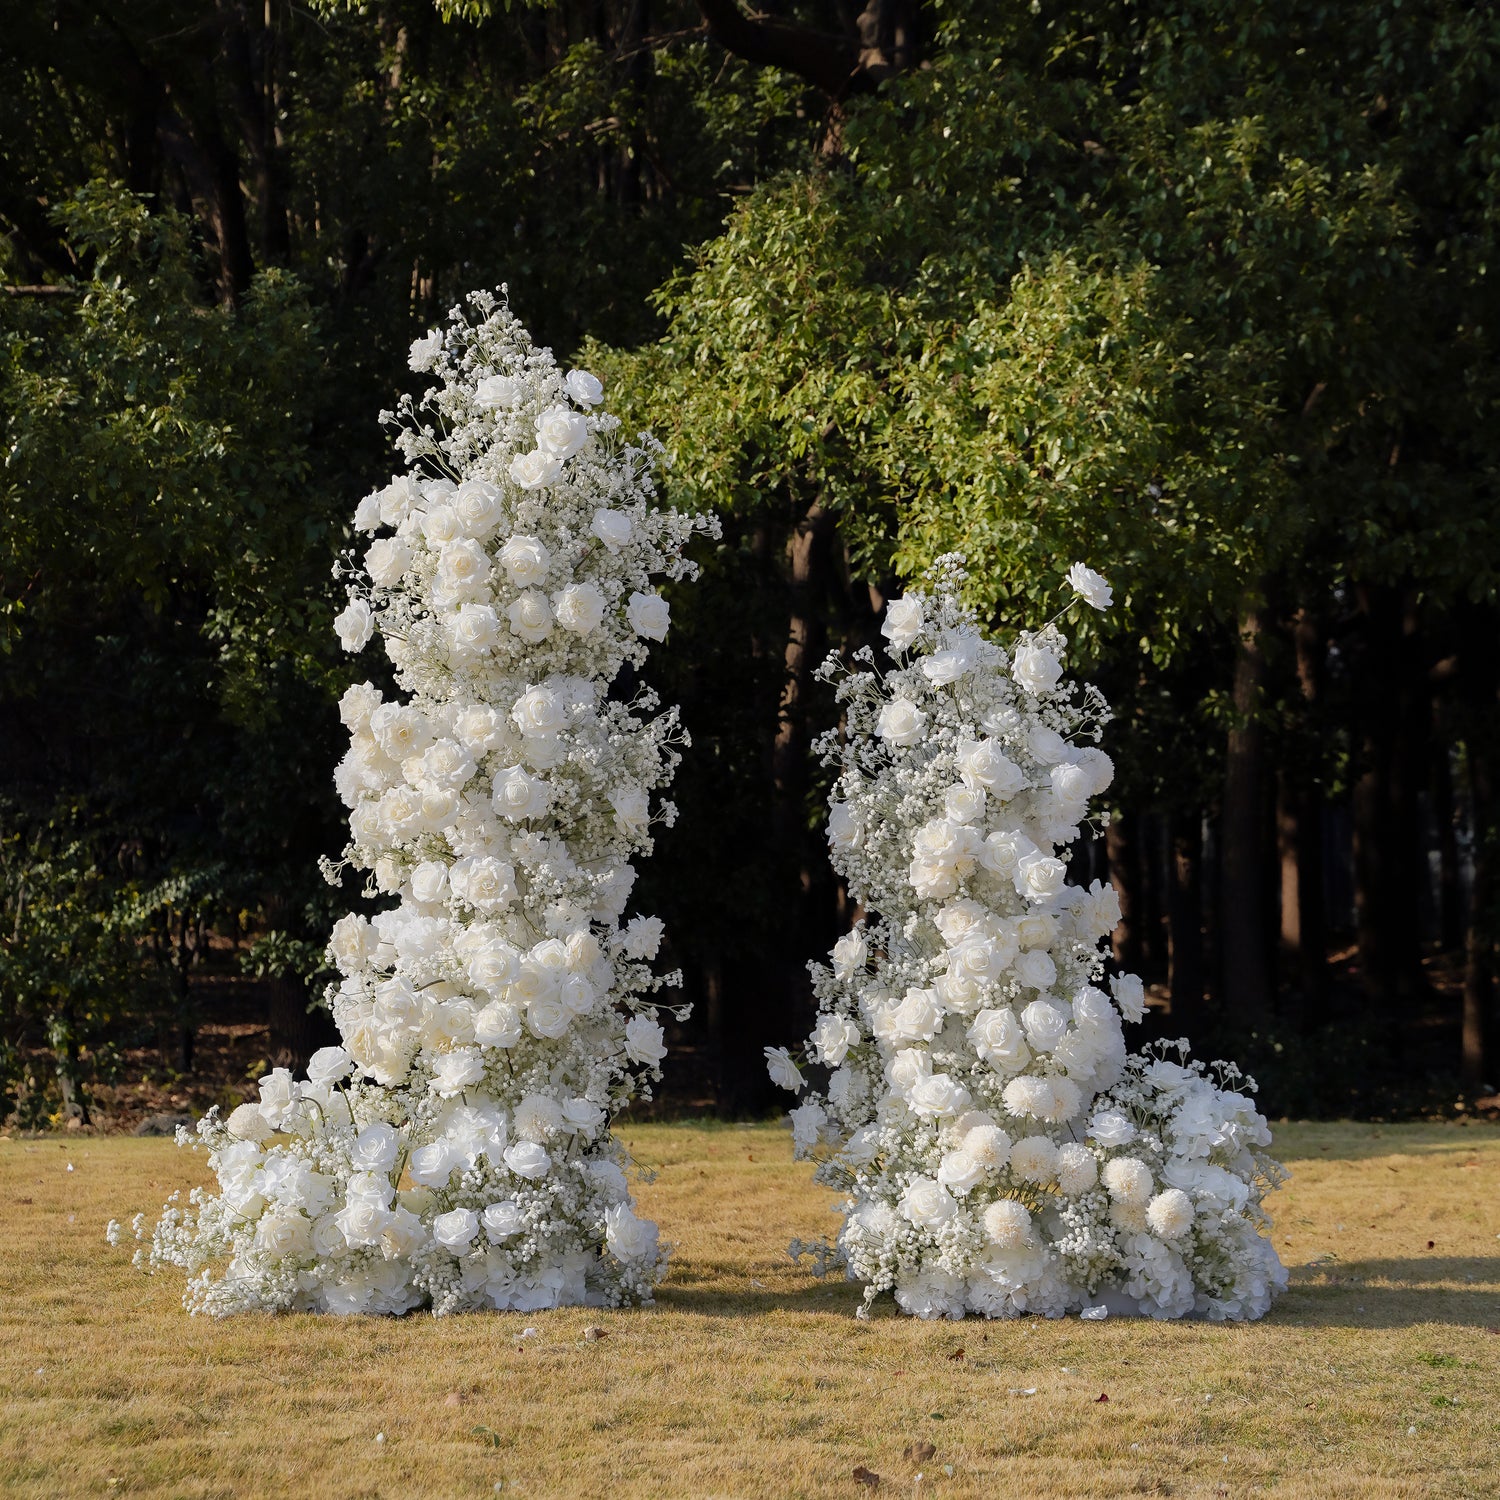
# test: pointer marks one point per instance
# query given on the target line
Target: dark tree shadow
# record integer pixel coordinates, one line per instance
(1332, 1296)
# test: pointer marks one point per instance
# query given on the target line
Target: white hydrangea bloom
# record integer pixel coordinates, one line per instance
(455, 1152)
(998, 1149)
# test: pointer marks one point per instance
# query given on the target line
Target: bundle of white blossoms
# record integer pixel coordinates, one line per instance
(455, 1151)
(999, 1150)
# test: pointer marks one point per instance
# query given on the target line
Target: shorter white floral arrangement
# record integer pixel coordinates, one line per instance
(999, 1150)
(455, 1151)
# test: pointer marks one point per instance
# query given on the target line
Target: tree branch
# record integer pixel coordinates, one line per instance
(829, 63)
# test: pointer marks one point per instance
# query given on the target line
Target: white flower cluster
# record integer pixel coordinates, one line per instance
(455, 1151)
(999, 1150)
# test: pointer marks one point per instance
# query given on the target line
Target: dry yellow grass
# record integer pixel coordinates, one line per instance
(750, 1378)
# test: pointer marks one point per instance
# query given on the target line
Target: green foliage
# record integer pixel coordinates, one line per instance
(1198, 294)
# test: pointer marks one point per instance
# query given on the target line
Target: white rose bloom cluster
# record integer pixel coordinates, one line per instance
(999, 1150)
(455, 1151)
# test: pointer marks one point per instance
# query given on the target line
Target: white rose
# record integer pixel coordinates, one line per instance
(612, 528)
(629, 1238)
(1111, 1128)
(1045, 1024)
(497, 1025)
(833, 1036)
(478, 507)
(476, 627)
(463, 568)
(1039, 876)
(484, 882)
(278, 1096)
(959, 1172)
(375, 1148)
(1047, 745)
(1003, 850)
(561, 432)
(431, 1165)
(959, 657)
(525, 560)
(1035, 968)
(649, 616)
(903, 622)
(397, 500)
(367, 514)
(643, 1040)
(547, 1016)
(362, 1220)
(1090, 586)
(1036, 669)
(900, 722)
(455, 1071)
(355, 625)
(1071, 785)
(539, 711)
(440, 526)
(497, 392)
(938, 1097)
(528, 1159)
(1130, 995)
(281, 1234)
(632, 809)
(849, 954)
(455, 1230)
(429, 881)
(530, 616)
(357, 704)
(963, 804)
(536, 470)
(983, 763)
(503, 1219)
(425, 350)
(927, 1204)
(917, 1018)
(387, 560)
(584, 388)
(579, 608)
(519, 795)
(843, 826)
(997, 1037)
(329, 1065)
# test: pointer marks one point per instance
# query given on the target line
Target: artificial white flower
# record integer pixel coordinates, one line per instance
(1090, 586)
(355, 625)
(425, 350)
(785, 1074)
(903, 622)
(649, 615)
(584, 388)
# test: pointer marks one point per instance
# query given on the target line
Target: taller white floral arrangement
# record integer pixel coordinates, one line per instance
(999, 1150)
(455, 1151)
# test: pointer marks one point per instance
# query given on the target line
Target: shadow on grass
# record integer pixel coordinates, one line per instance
(1344, 1141)
(1340, 1295)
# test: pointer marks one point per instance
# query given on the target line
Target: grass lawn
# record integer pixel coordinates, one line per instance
(1377, 1375)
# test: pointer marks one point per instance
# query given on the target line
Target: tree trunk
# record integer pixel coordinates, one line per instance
(1387, 835)
(1450, 885)
(1479, 948)
(1124, 875)
(1246, 984)
(1185, 921)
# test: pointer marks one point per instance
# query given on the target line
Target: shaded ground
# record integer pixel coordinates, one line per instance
(1377, 1376)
